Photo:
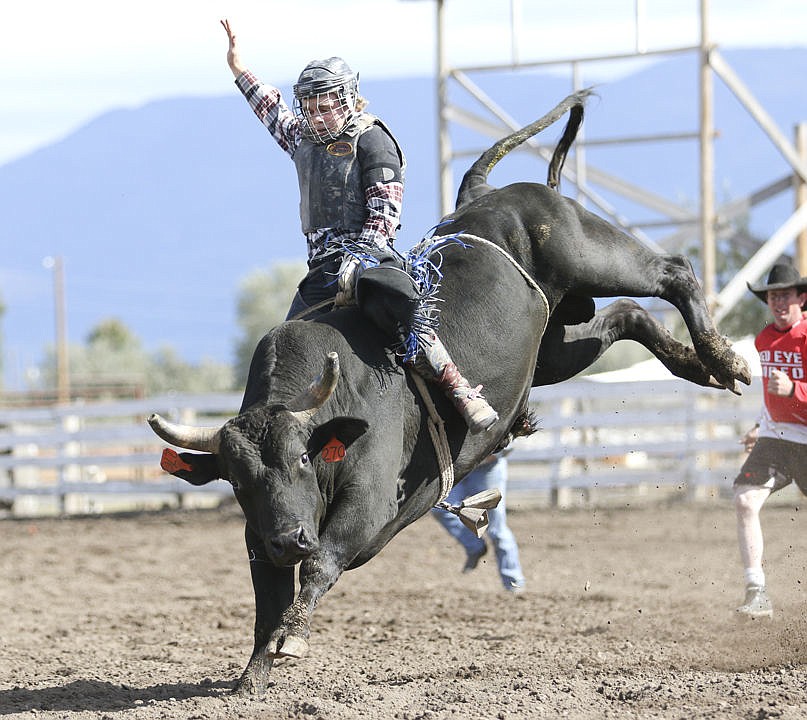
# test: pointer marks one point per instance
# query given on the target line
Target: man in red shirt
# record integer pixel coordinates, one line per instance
(778, 442)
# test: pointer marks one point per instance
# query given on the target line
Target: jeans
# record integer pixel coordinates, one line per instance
(321, 283)
(486, 476)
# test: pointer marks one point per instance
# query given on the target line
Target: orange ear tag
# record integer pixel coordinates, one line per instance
(334, 451)
(171, 462)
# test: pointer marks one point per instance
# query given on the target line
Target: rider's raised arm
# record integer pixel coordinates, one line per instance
(233, 58)
(265, 100)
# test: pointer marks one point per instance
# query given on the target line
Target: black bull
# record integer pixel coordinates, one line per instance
(500, 329)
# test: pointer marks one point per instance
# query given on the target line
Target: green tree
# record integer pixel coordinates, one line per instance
(749, 315)
(263, 300)
(732, 251)
(112, 334)
(114, 357)
(169, 373)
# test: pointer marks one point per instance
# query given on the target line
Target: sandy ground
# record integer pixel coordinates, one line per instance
(629, 614)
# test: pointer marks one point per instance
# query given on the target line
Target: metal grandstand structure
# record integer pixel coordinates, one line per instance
(704, 224)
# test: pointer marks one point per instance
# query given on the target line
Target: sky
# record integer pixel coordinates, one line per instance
(64, 63)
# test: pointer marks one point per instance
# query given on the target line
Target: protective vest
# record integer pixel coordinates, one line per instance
(330, 179)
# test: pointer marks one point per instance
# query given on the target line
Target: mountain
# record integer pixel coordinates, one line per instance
(159, 212)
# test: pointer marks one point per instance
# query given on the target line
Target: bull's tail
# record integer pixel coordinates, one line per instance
(475, 179)
(562, 148)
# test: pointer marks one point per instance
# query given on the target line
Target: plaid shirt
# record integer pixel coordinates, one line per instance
(384, 200)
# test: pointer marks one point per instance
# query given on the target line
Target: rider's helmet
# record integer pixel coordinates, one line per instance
(325, 98)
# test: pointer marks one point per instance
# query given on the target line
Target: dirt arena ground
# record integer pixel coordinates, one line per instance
(629, 614)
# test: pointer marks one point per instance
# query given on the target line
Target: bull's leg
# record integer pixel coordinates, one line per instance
(568, 350)
(681, 288)
(274, 593)
(352, 536)
(606, 262)
(318, 574)
(289, 637)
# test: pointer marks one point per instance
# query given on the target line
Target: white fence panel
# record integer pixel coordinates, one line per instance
(657, 433)
(102, 456)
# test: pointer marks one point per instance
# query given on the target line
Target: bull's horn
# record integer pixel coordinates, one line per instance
(313, 398)
(204, 439)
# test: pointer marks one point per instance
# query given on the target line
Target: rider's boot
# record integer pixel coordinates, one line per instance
(434, 363)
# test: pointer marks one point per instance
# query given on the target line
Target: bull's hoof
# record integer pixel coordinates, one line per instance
(249, 686)
(741, 370)
(293, 647)
(726, 365)
(255, 678)
(738, 370)
(731, 385)
(736, 389)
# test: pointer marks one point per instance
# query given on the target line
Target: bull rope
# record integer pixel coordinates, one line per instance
(309, 310)
(437, 430)
(530, 280)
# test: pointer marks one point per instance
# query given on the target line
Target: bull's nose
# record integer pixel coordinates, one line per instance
(292, 546)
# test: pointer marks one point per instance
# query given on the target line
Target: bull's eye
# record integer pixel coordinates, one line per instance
(304, 459)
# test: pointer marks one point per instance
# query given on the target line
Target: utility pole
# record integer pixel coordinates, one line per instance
(62, 359)
(707, 161)
(443, 135)
(801, 197)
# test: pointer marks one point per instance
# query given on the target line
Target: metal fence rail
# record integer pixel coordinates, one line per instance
(101, 456)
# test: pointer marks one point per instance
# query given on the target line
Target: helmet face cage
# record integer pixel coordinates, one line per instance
(325, 99)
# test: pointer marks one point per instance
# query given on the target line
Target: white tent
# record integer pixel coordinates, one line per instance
(653, 369)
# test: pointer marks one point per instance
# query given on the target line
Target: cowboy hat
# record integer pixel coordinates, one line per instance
(780, 277)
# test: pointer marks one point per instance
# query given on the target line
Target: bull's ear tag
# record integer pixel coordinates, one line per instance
(171, 462)
(334, 450)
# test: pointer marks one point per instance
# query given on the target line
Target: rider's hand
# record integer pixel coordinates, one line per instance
(348, 274)
(233, 59)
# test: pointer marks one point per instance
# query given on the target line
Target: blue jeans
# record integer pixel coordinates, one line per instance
(320, 283)
(489, 475)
